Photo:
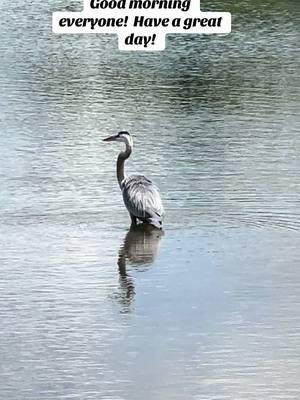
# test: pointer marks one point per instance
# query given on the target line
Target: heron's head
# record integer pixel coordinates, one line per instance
(122, 136)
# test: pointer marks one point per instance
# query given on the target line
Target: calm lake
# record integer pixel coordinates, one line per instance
(209, 308)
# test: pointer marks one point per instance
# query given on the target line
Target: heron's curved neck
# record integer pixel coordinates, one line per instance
(121, 162)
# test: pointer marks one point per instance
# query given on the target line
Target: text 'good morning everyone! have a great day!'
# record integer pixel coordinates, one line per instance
(142, 24)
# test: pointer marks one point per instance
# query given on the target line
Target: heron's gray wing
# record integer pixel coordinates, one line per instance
(141, 197)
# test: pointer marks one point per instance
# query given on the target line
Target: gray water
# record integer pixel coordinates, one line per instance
(206, 310)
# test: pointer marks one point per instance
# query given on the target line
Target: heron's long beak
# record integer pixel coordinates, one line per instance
(110, 138)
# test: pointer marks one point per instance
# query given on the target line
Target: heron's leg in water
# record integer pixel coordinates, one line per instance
(133, 220)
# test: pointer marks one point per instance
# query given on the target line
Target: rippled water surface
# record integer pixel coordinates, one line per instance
(207, 309)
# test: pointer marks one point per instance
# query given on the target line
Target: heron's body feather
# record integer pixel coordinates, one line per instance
(141, 198)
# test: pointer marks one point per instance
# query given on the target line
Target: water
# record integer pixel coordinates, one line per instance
(208, 309)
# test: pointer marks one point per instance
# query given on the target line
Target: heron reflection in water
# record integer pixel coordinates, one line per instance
(138, 250)
(141, 197)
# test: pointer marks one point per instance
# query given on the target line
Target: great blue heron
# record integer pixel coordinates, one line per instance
(140, 195)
